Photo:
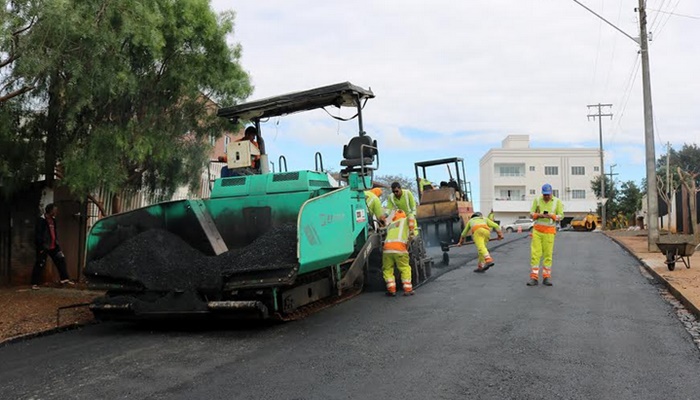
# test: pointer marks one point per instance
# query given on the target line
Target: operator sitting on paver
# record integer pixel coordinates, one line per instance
(480, 229)
(395, 252)
(403, 200)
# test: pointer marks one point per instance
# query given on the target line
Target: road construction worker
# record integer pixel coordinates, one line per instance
(251, 134)
(395, 253)
(423, 185)
(374, 205)
(480, 230)
(403, 200)
(546, 211)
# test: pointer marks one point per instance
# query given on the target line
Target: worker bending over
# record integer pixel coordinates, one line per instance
(480, 230)
(395, 253)
(374, 205)
(546, 211)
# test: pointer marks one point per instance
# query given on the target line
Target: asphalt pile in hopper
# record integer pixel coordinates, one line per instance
(276, 248)
(161, 260)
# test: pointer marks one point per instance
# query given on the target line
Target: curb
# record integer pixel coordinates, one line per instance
(668, 285)
(47, 332)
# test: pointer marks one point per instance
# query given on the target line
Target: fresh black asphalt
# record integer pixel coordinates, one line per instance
(601, 332)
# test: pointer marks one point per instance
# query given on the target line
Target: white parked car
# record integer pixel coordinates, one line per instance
(525, 224)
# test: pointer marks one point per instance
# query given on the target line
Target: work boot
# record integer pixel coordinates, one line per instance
(408, 293)
(391, 294)
(489, 263)
(532, 282)
(480, 269)
(547, 281)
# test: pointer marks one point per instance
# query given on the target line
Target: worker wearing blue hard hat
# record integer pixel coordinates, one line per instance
(546, 211)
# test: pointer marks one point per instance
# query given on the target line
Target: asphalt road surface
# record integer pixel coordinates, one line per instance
(601, 332)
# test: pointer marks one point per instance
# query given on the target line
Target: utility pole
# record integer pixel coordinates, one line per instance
(602, 163)
(652, 192)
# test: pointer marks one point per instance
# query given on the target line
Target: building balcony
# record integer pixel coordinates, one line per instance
(519, 205)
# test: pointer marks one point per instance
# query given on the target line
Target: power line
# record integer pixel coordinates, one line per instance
(669, 17)
(626, 95)
(675, 14)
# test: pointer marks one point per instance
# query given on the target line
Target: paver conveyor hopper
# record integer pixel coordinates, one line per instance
(263, 245)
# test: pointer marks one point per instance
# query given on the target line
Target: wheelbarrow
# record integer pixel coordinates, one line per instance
(676, 252)
(445, 247)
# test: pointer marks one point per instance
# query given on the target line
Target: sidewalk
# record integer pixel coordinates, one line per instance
(30, 312)
(682, 282)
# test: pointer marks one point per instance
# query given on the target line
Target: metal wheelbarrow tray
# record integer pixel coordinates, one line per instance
(677, 251)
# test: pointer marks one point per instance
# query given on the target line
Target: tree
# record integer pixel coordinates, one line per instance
(611, 207)
(630, 199)
(687, 158)
(405, 182)
(688, 180)
(123, 90)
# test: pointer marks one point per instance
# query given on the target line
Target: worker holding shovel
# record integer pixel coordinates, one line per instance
(480, 229)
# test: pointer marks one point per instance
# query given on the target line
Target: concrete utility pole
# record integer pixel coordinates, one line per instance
(602, 163)
(652, 193)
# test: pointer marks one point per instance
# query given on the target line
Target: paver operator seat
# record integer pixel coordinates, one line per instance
(359, 155)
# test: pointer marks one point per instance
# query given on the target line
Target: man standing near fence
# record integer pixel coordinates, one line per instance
(46, 240)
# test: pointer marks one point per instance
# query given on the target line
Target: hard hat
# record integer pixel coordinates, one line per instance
(377, 191)
(476, 215)
(398, 214)
(546, 188)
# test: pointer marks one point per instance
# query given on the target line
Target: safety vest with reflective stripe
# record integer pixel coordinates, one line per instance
(407, 202)
(553, 206)
(374, 205)
(478, 223)
(397, 237)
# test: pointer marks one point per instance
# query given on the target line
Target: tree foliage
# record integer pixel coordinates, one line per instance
(687, 158)
(406, 183)
(630, 199)
(122, 89)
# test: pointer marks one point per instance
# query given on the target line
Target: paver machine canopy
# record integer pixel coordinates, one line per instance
(445, 206)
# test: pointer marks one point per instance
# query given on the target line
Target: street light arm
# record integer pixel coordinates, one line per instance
(606, 21)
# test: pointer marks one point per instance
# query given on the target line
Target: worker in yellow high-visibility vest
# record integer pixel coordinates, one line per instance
(546, 211)
(395, 253)
(374, 205)
(403, 200)
(480, 230)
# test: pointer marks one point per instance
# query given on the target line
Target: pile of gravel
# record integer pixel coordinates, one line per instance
(160, 260)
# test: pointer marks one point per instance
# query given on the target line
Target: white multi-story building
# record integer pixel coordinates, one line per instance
(510, 177)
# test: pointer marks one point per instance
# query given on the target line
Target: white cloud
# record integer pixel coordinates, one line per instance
(493, 67)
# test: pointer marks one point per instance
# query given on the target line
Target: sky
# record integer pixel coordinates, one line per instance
(453, 79)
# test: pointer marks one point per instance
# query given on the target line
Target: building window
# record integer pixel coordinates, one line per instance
(551, 170)
(555, 192)
(578, 194)
(532, 168)
(509, 170)
(578, 170)
(212, 140)
(511, 194)
(533, 191)
(596, 169)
